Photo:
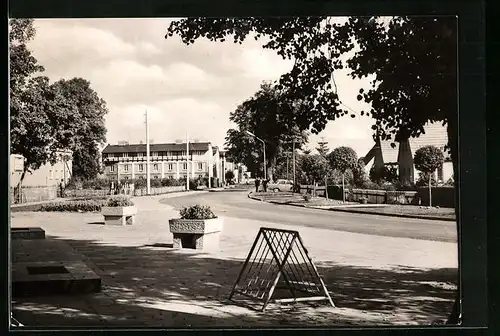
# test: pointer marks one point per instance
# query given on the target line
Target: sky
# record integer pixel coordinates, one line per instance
(185, 89)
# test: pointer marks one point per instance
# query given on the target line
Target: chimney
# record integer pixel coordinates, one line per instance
(140, 142)
(178, 141)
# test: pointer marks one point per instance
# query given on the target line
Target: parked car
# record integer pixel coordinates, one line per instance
(280, 185)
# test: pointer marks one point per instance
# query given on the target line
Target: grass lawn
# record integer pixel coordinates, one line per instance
(410, 210)
(392, 209)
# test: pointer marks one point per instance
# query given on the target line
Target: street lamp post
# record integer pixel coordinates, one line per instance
(293, 158)
(264, 144)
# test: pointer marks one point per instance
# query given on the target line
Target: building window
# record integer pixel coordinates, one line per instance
(110, 155)
(125, 155)
(155, 167)
(141, 177)
(171, 177)
(140, 154)
(185, 166)
(125, 168)
(200, 166)
(156, 176)
(141, 167)
(51, 172)
(126, 177)
(170, 166)
(111, 169)
(154, 154)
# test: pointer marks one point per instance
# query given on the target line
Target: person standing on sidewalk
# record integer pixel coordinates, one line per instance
(61, 189)
(264, 184)
(257, 184)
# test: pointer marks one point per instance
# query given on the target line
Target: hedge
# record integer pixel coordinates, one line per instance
(73, 206)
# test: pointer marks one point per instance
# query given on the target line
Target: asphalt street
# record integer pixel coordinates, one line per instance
(236, 204)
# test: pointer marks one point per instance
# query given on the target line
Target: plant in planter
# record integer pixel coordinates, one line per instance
(119, 210)
(198, 228)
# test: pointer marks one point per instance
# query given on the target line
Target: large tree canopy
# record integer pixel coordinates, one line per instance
(269, 118)
(89, 125)
(46, 118)
(413, 59)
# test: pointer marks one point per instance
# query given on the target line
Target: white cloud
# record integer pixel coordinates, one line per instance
(264, 64)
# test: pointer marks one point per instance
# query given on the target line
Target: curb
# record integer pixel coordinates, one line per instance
(351, 210)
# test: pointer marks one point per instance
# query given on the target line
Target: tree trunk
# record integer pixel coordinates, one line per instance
(17, 189)
(430, 193)
(326, 187)
(343, 188)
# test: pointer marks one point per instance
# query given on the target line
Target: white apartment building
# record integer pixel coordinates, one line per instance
(167, 160)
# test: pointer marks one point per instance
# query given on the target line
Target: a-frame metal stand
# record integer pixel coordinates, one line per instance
(279, 255)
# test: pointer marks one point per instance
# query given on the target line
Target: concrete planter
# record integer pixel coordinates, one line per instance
(199, 234)
(119, 215)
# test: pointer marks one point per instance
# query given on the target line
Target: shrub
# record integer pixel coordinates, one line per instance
(89, 198)
(197, 212)
(155, 183)
(119, 201)
(73, 206)
(307, 197)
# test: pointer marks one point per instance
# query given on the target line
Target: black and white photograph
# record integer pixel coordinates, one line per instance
(234, 172)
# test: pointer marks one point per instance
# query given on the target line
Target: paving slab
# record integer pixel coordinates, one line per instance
(373, 280)
(43, 267)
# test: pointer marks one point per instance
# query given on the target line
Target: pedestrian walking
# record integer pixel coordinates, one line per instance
(61, 189)
(264, 184)
(257, 184)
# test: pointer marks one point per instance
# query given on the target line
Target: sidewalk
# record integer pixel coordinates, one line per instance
(368, 209)
(372, 279)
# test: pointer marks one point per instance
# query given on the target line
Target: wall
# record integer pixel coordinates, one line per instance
(376, 196)
(35, 194)
(441, 196)
(46, 175)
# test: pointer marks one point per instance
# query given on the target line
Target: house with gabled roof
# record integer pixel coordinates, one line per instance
(383, 153)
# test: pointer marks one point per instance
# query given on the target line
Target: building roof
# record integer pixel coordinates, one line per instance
(165, 147)
(435, 135)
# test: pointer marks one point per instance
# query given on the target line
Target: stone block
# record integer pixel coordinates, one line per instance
(196, 234)
(27, 233)
(119, 215)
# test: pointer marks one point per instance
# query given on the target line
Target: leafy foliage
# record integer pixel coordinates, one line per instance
(387, 173)
(413, 60)
(359, 178)
(229, 175)
(322, 148)
(88, 124)
(46, 118)
(270, 118)
(119, 201)
(197, 212)
(428, 158)
(343, 159)
(423, 180)
(313, 167)
(89, 205)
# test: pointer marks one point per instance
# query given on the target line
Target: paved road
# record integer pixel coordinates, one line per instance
(236, 204)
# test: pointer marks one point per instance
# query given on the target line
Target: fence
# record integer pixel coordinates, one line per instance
(33, 194)
(441, 196)
(124, 191)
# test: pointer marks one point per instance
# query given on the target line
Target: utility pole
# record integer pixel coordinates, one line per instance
(187, 161)
(148, 168)
(293, 158)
